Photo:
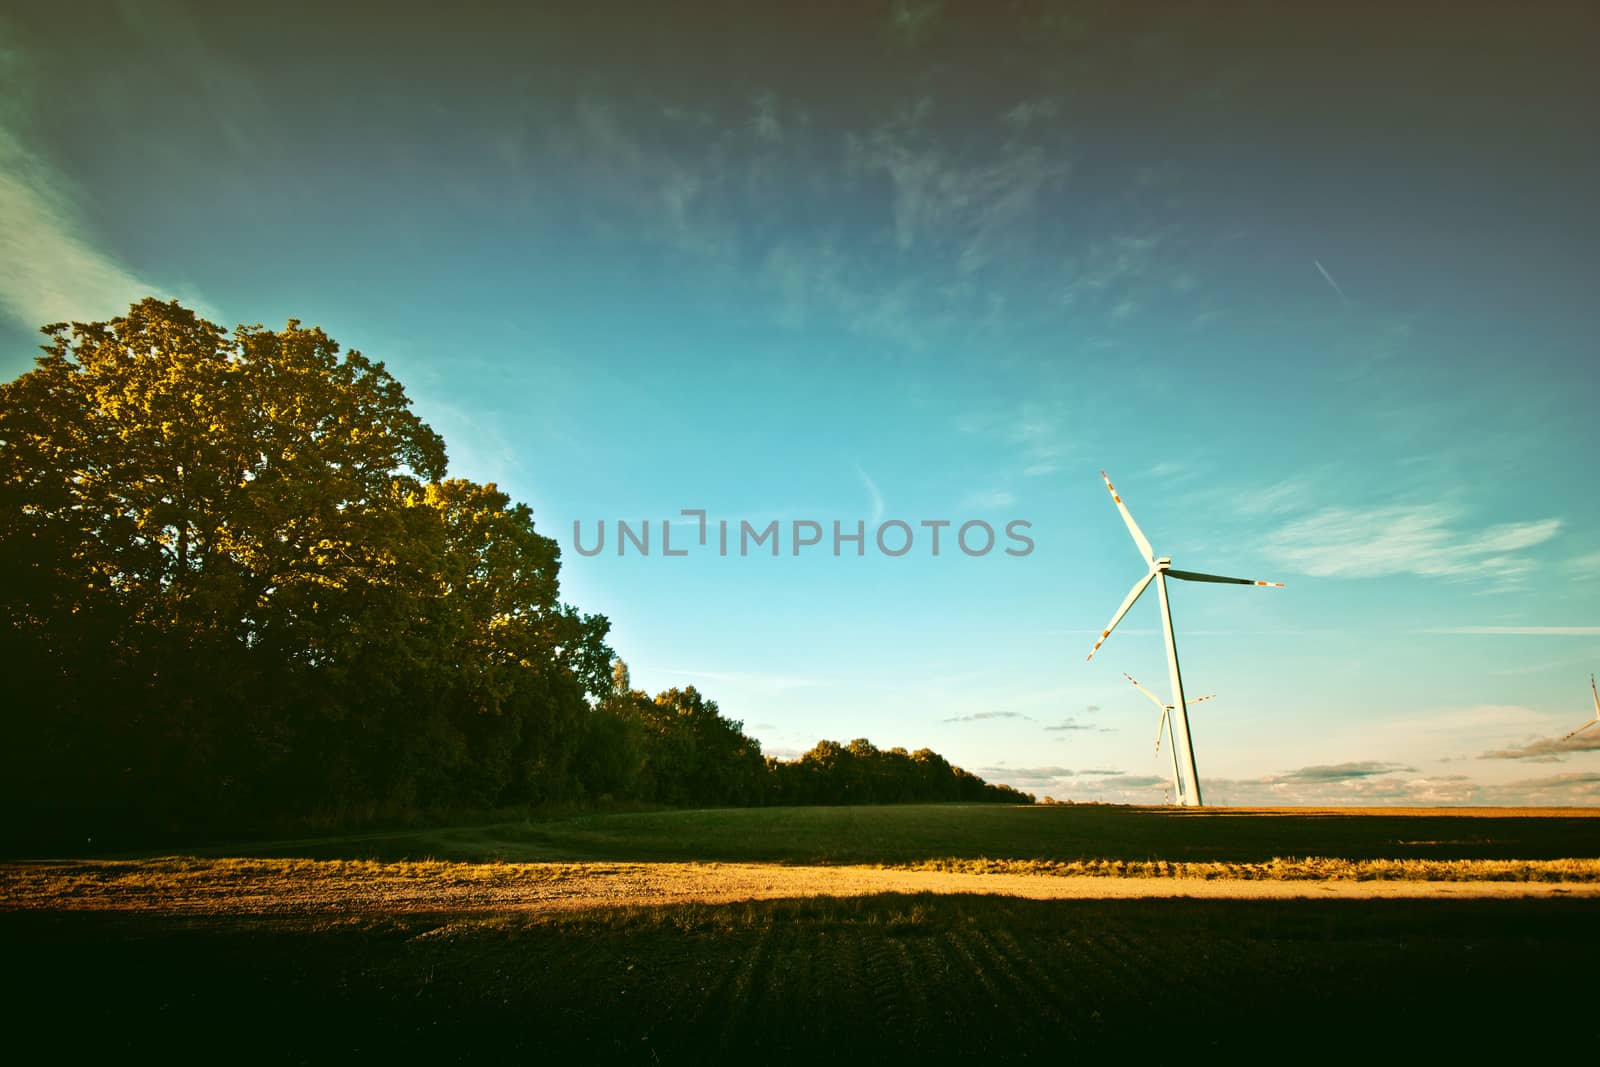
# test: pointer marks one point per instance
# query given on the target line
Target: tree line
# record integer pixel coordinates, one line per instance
(238, 589)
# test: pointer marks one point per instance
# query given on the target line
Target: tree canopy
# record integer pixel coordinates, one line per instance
(236, 583)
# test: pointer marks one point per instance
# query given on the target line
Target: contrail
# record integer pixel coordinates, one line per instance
(872, 490)
(1324, 272)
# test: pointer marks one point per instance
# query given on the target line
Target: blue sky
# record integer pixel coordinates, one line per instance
(1317, 292)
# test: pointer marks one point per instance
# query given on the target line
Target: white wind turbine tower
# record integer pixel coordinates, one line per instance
(1165, 727)
(1591, 722)
(1160, 571)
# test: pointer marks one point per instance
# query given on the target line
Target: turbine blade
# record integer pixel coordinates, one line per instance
(1579, 730)
(1133, 527)
(1196, 576)
(1596, 693)
(1138, 588)
(1197, 700)
(1162, 704)
(1161, 727)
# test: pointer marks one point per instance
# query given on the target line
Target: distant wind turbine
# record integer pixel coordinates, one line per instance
(1596, 694)
(1165, 727)
(1160, 571)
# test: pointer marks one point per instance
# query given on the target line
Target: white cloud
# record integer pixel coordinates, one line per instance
(1030, 111)
(757, 681)
(765, 124)
(1341, 772)
(1032, 429)
(1276, 499)
(1576, 788)
(1522, 631)
(990, 500)
(815, 281)
(984, 716)
(1381, 541)
(49, 269)
(1290, 790)
(979, 208)
(670, 195)
(1363, 783)
(1549, 749)
(1585, 566)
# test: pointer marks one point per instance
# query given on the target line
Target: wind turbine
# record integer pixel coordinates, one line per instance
(1165, 727)
(1592, 721)
(1160, 571)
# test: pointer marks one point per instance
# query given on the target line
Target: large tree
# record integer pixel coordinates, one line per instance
(232, 575)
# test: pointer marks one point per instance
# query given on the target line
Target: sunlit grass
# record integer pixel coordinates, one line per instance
(1317, 868)
(286, 884)
(475, 867)
(910, 834)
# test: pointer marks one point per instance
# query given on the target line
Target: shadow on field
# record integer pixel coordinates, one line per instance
(913, 833)
(936, 977)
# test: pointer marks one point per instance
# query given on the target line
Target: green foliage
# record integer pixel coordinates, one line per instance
(1043, 839)
(860, 773)
(233, 581)
(237, 588)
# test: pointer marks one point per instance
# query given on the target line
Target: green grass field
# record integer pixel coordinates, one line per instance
(916, 834)
(885, 977)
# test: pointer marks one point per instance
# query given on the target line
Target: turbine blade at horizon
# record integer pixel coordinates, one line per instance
(1579, 730)
(1138, 588)
(1133, 527)
(1596, 693)
(1162, 704)
(1196, 576)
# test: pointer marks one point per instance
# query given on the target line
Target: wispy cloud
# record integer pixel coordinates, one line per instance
(1341, 772)
(1093, 783)
(1038, 435)
(984, 716)
(1381, 541)
(1520, 631)
(1276, 499)
(668, 196)
(1352, 784)
(50, 268)
(911, 22)
(975, 208)
(990, 499)
(1578, 787)
(1354, 791)
(1035, 773)
(1072, 725)
(1584, 566)
(816, 280)
(1033, 429)
(1029, 112)
(1119, 274)
(1549, 750)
